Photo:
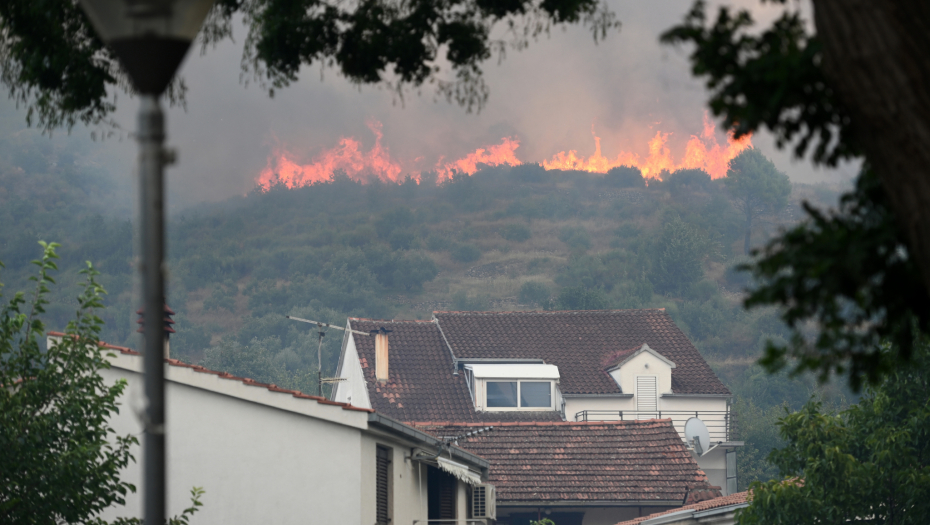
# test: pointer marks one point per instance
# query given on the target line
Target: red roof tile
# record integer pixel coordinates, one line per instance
(244, 380)
(421, 385)
(617, 461)
(733, 499)
(584, 344)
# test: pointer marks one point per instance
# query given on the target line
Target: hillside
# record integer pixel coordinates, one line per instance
(502, 239)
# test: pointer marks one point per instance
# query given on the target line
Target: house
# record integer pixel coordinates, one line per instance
(592, 365)
(717, 511)
(264, 454)
(581, 473)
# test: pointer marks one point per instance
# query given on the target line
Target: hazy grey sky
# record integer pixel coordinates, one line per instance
(548, 96)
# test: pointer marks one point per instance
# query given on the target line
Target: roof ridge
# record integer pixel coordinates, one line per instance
(630, 422)
(226, 375)
(546, 312)
(395, 321)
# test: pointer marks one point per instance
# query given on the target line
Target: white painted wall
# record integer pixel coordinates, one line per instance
(354, 390)
(257, 464)
(265, 457)
(643, 364)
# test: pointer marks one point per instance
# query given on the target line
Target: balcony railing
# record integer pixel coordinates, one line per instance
(721, 424)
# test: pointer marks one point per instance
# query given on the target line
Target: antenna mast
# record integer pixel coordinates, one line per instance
(319, 350)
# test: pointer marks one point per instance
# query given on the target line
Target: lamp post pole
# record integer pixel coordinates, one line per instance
(152, 161)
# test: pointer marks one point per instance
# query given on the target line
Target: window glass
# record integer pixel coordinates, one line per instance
(535, 394)
(502, 393)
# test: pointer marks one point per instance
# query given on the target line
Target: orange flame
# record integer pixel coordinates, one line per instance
(347, 157)
(502, 153)
(701, 152)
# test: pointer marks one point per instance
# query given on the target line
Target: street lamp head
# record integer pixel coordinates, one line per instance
(150, 37)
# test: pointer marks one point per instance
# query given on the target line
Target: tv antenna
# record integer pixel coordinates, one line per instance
(319, 350)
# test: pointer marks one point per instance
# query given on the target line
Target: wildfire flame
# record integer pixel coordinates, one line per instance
(347, 157)
(502, 153)
(701, 152)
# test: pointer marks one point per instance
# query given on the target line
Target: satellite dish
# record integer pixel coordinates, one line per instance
(697, 435)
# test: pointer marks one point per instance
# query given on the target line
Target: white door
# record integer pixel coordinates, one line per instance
(647, 402)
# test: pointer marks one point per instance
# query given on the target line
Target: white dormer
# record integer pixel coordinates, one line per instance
(644, 373)
(514, 387)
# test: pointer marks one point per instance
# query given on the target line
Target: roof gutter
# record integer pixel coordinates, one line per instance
(399, 429)
(589, 503)
(725, 396)
(602, 396)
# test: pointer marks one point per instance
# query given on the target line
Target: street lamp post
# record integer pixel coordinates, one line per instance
(150, 39)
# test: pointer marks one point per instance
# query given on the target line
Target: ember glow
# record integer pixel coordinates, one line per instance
(701, 152)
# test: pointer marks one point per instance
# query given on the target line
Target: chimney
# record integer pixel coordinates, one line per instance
(167, 322)
(381, 354)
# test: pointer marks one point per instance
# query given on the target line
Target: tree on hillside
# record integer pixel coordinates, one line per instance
(60, 460)
(868, 464)
(680, 251)
(53, 63)
(840, 270)
(757, 188)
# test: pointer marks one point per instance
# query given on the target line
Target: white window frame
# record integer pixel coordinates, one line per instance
(484, 395)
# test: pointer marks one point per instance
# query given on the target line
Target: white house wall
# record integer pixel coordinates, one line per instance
(354, 389)
(644, 364)
(257, 464)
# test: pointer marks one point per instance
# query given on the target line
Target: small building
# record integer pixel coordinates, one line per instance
(716, 511)
(582, 473)
(264, 454)
(591, 365)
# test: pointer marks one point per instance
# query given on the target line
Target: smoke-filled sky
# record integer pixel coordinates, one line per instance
(548, 96)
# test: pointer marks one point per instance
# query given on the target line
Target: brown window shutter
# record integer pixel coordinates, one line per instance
(447, 498)
(382, 489)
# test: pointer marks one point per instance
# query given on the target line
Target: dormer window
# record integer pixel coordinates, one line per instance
(502, 387)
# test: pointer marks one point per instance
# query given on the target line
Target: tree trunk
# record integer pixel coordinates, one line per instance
(877, 55)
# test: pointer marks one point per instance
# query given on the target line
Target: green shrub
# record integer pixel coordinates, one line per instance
(466, 253)
(625, 177)
(515, 232)
(576, 237)
(535, 293)
(581, 298)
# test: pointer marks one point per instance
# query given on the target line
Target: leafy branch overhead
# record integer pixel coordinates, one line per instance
(854, 278)
(54, 64)
(770, 78)
(849, 273)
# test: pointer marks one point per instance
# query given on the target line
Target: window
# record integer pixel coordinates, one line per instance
(519, 394)
(383, 486)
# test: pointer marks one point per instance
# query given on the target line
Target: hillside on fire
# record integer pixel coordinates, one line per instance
(505, 238)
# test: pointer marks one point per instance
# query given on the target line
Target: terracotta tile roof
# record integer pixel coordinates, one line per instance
(421, 385)
(223, 375)
(733, 499)
(583, 344)
(617, 461)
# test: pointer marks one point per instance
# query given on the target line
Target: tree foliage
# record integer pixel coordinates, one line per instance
(868, 464)
(848, 272)
(853, 274)
(757, 188)
(767, 78)
(53, 63)
(680, 253)
(60, 460)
